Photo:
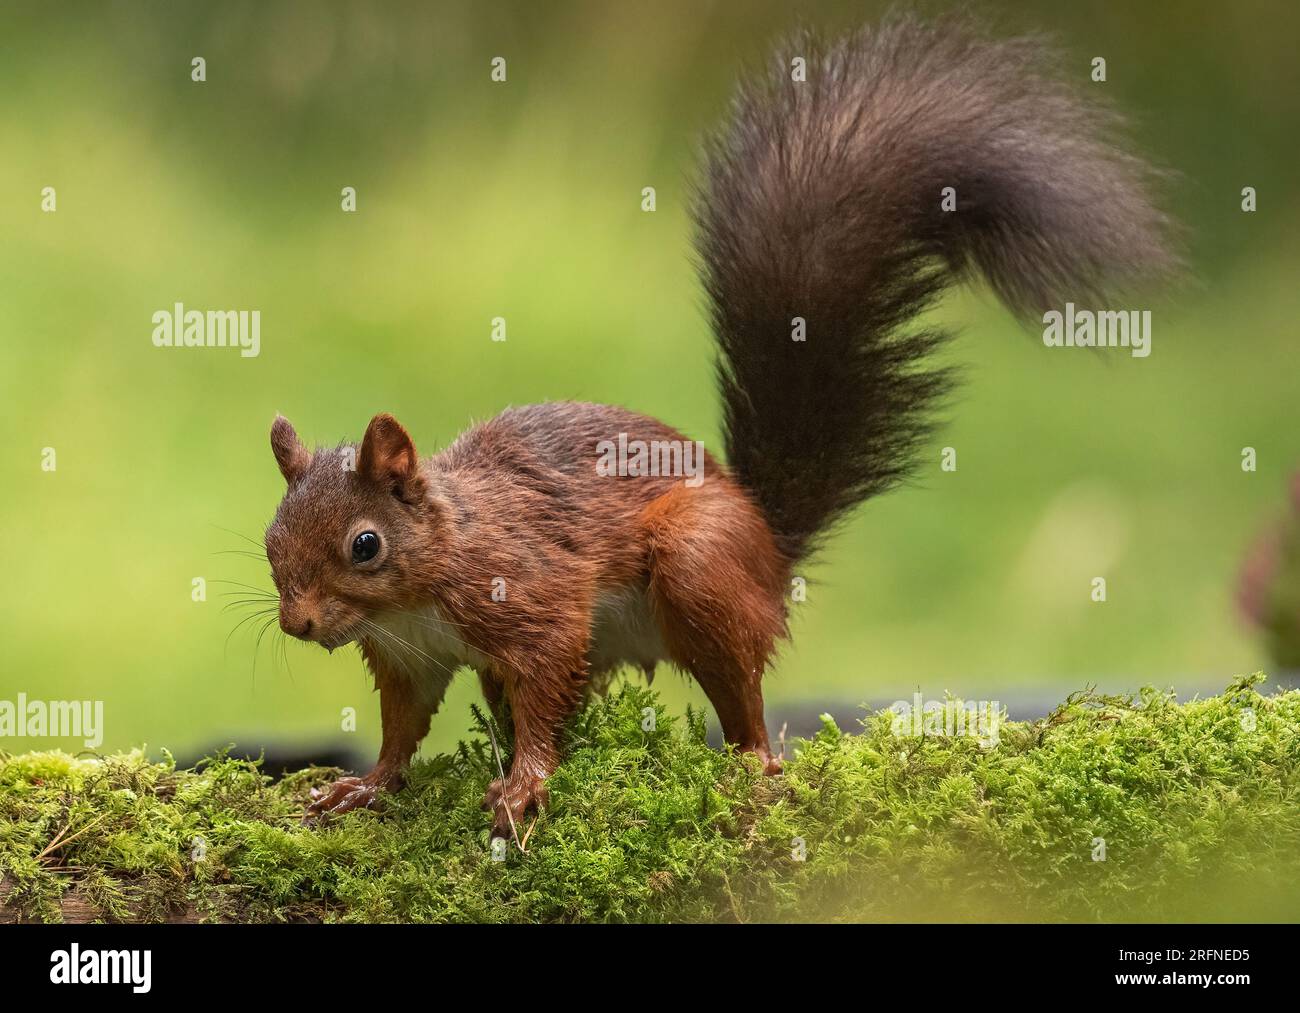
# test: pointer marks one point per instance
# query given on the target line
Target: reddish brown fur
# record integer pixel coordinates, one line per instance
(520, 498)
(820, 203)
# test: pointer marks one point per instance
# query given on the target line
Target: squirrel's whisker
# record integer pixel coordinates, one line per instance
(250, 541)
(251, 617)
(391, 639)
(394, 638)
(284, 653)
(424, 621)
(257, 647)
(260, 604)
(246, 587)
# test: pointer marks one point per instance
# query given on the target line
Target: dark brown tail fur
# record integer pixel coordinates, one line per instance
(821, 200)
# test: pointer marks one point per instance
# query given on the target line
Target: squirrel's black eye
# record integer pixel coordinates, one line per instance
(365, 547)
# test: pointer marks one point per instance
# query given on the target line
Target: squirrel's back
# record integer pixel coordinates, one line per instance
(820, 217)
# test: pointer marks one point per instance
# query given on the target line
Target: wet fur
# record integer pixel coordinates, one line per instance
(819, 200)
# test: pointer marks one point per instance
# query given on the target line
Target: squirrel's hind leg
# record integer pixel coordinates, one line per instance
(716, 583)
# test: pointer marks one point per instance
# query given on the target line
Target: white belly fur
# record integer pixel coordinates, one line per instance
(623, 632)
(431, 635)
(426, 647)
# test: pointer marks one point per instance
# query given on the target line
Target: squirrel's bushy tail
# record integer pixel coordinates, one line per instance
(821, 200)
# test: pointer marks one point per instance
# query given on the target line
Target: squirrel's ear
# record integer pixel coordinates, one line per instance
(388, 456)
(290, 454)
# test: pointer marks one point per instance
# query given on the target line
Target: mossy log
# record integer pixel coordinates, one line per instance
(1110, 808)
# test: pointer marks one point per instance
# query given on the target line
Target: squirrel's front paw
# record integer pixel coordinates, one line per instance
(344, 795)
(514, 799)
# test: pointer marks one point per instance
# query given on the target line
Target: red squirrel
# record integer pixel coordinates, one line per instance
(824, 225)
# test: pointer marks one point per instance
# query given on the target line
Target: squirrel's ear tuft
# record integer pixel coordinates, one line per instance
(388, 457)
(290, 454)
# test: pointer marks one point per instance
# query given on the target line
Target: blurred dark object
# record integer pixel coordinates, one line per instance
(1269, 589)
(288, 758)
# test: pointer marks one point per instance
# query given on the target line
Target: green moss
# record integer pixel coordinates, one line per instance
(1198, 805)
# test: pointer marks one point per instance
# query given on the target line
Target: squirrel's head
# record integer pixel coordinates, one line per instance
(358, 531)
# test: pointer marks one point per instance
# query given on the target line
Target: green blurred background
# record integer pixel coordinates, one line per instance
(522, 200)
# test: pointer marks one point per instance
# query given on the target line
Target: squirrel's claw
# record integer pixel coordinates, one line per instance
(514, 799)
(344, 795)
(319, 793)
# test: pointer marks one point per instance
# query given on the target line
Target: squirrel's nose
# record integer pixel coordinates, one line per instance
(300, 628)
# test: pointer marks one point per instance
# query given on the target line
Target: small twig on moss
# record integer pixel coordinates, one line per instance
(502, 771)
(59, 840)
(527, 834)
